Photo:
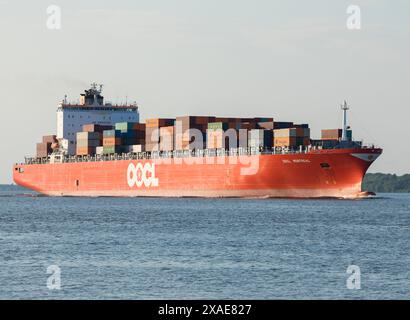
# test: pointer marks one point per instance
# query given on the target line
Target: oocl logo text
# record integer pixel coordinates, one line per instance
(139, 175)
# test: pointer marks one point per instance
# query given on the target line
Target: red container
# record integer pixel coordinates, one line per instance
(43, 149)
(331, 134)
(49, 139)
(266, 125)
(139, 127)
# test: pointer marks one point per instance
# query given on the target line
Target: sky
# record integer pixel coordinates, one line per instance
(292, 60)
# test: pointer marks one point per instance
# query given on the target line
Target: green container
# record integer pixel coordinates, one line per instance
(112, 149)
(217, 126)
(111, 133)
(125, 126)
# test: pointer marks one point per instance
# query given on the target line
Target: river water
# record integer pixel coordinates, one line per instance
(157, 248)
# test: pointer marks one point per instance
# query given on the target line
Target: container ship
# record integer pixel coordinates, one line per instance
(102, 149)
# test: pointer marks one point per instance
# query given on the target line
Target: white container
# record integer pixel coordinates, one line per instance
(135, 148)
(256, 134)
(99, 150)
(63, 144)
(88, 135)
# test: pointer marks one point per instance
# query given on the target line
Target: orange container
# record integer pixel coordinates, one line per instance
(331, 134)
(284, 141)
(166, 138)
(159, 122)
(111, 141)
(83, 151)
(214, 139)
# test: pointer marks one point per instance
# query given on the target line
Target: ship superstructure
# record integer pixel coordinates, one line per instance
(90, 109)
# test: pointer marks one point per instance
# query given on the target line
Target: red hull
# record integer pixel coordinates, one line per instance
(325, 173)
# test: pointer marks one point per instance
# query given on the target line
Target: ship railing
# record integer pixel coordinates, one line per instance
(241, 151)
(367, 145)
(221, 152)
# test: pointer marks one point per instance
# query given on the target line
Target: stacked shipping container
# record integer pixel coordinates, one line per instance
(152, 132)
(335, 134)
(47, 145)
(97, 139)
(260, 138)
(291, 137)
(282, 125)
(332, 134)
(87, 142)
(183, 134)
(95, 128)
(215, 134)
(216, 137)
(267, 125)
(166, 134)
(112, 141)
(132, 135)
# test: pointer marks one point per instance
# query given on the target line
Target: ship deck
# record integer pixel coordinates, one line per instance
(234, 152)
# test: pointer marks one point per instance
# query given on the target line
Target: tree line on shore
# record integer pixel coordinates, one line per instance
(385, 182)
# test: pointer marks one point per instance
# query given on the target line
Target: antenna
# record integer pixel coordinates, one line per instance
(344, 107)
